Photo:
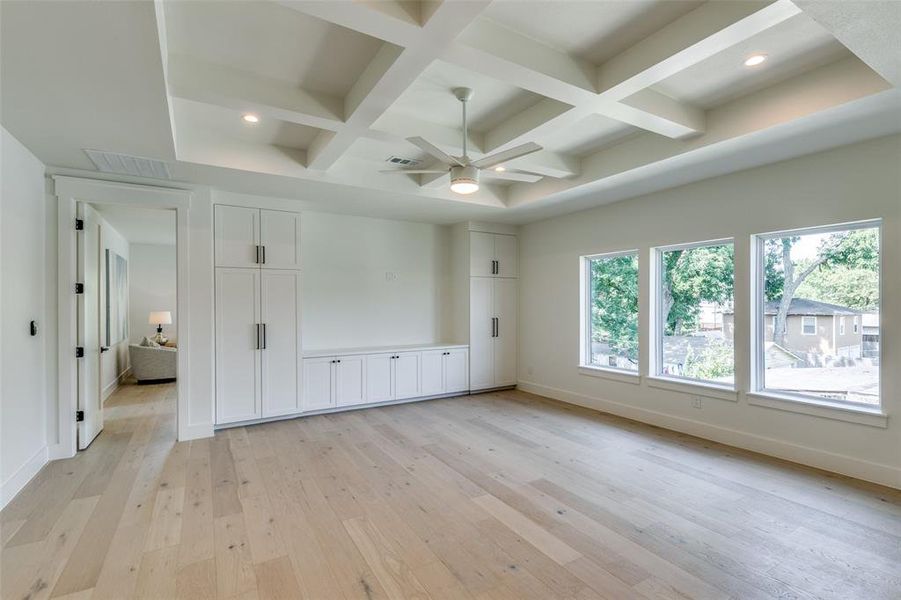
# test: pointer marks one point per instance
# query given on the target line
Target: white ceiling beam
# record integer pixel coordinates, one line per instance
(649, 109)
(193, 79)
(803, 96)
(696, 36)
(389, 74)
(360, 16)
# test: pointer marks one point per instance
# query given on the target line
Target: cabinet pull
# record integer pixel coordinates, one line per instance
(257, 325)
(264, 336)
(257, 247)
(497, 327)
(264, 254)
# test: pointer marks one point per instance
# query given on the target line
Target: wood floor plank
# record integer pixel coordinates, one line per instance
(501, 496)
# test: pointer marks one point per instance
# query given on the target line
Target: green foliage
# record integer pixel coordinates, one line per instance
(693, 276)
(614, 305)
(715, 361)
(847, 286)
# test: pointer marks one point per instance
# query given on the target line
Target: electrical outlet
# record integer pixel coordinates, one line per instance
(696, 402)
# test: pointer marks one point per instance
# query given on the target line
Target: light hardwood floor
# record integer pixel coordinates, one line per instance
(500, 496)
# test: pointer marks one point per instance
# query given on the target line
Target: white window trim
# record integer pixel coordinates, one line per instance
(656, 322)
(695, 387)
(759, 395)
(815, 327)
(841, 325)
(856, 318)
(585, 366)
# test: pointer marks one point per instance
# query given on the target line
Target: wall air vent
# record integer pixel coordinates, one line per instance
(403, 162)
(123, 164)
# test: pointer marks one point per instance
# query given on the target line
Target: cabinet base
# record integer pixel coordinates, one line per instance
(337, 409)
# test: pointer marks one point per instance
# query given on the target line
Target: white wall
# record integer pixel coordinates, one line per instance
(856, 182)
(24, 383)
(350, 295)
(151, 287)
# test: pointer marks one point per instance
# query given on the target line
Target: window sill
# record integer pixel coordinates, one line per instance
(620, 375)
(695, 388)
(819, 408)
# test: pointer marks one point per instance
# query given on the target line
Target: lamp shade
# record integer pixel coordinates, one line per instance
(160, 317)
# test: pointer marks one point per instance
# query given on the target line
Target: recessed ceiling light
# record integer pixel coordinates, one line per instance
(251, 118)
(500, 169)
(755, 59)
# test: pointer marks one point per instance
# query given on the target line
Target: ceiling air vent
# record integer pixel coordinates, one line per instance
(404, 162)
(123, 164)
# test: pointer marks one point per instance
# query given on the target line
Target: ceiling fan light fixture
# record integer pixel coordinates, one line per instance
(464, 180)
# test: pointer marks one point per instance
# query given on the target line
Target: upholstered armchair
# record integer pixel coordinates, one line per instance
(152, 364)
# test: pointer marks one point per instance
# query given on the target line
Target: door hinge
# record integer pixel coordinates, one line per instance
(79, 224)
(79, 288)
(79, 352)
(79, 415)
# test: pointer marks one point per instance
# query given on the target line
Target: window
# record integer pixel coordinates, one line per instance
(694, 314)
(829, 272)
(611, 311)
(808, 325)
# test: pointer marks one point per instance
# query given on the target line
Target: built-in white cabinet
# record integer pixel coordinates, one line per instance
(333, 381)
(393, 376)
(318, 383)
(492, 255)
(258, 368)
(492, 332)
(350, 380)
(254, 237)
(444, 371)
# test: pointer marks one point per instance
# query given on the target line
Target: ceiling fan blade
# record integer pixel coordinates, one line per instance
(408, 171)
(435, 151)
(502, 157)
(513, 175)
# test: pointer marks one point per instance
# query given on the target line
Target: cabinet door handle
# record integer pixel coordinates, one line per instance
(264, 254)
(257, 325)
(497, 327)
(264, 336)
(258, 254)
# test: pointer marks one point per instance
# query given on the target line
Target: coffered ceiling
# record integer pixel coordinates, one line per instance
(623, 96)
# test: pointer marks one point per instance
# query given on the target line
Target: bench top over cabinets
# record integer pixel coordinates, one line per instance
(380, 349)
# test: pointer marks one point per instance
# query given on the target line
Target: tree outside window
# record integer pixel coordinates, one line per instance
(613, 311)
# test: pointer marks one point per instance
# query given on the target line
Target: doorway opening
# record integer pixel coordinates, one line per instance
(127, 322)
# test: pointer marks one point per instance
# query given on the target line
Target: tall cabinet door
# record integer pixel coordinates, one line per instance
(506, 254)
(481, 341)
(237, 356)
(505, 332)
(281, 368)
(237, 236)
(280, 238)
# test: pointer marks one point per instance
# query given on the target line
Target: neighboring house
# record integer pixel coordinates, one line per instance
(870, 324)
(814, 328)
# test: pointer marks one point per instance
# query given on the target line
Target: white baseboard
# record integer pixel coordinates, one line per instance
(829, 461)
(20, 478)
(114, 385)
(195, 432)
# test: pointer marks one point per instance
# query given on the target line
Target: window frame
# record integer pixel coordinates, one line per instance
(856, 328)
(803, 326)
(585, 365)
(657, 320)
(841, 325)
(789, 400)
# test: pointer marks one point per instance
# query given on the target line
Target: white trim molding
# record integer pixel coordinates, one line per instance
(819, 408)
(18, 480)
(880, 473)
(694, 387)
(620, 375)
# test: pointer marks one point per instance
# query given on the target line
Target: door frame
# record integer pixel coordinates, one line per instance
(69, 191)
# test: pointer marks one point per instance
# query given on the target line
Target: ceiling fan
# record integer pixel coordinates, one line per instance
(464, 173)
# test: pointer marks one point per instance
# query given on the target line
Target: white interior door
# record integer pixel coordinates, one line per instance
(481, 340)
(350, 380)
(406, 375)
(237, 236)
(317, 383)
(89, 252)
(280, 238)
(433, 372)
(280, 356)
(378, 377)
(505, 332)
(507, 255)
(237, 345)
(456, 371)
(481, 254)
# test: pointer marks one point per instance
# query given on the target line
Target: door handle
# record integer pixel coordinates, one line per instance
(493, 327)
(264, 254)
(103, 349)
(258, 254)
(497, 327)
(264, 336)
(257, 325)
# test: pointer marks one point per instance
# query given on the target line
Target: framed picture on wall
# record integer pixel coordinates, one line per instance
(116, 298)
